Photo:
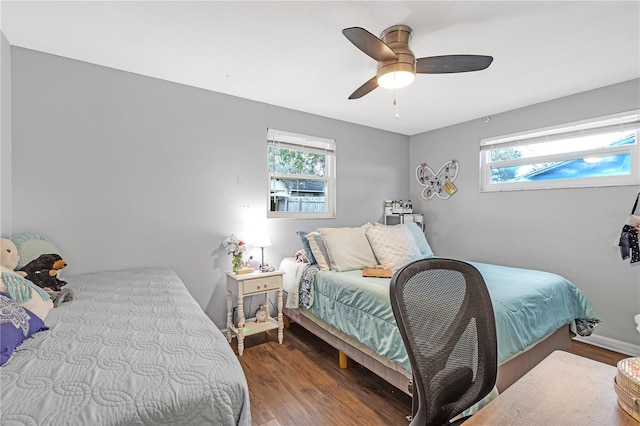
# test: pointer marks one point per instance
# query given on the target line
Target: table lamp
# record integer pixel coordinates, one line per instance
(262, 240)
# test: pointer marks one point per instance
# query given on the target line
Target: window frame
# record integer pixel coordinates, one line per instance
(305, 143)
(628, 120)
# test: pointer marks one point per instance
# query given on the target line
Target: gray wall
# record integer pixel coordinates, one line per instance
(566, 231)
(5, 136)
(125, 171)
(122, 170)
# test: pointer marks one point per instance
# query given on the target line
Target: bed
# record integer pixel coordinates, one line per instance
(536, 312)
(132, 347)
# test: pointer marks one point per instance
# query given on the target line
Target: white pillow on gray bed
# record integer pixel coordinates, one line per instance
(348, 248)
(394, 246)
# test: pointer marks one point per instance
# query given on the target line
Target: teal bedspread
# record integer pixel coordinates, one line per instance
(528, 305)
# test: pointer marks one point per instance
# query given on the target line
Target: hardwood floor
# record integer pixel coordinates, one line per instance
(599, 354)
(300, 383)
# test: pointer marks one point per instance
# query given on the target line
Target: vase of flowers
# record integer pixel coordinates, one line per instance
(235, 247)
(237, 262)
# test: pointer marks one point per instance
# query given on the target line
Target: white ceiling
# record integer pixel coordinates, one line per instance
(293, 54)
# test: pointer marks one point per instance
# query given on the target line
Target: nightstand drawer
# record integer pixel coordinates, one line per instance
(262, 284)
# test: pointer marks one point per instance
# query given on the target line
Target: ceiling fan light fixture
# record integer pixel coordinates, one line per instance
(396, 79)
(394, 75)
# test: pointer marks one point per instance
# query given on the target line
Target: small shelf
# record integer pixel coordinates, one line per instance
(396, 218)
(252, 327)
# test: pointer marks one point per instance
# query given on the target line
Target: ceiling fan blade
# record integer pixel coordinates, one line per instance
(369, 44)
(365, 88)
(452, 63)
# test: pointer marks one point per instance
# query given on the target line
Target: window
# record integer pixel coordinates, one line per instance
(301, 175)
(601, 151)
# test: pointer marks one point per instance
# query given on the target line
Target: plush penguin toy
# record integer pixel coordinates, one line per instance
(43, 271)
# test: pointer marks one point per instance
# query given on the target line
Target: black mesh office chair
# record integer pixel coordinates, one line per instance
(445, 316)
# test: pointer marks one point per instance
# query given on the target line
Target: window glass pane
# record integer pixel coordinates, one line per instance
(301, 172)
(612, 165)
(598, 151)
(574, 144)
(293, 161)
(298, 195)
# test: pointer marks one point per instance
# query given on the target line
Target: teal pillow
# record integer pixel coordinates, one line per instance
(31, 246)
(421, 240)
(307, 248)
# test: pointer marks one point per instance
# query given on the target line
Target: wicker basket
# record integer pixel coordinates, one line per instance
(627, 386)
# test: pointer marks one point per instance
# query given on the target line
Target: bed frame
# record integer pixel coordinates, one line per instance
(508, 372)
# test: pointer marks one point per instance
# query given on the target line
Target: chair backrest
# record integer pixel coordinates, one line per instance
(445, 316)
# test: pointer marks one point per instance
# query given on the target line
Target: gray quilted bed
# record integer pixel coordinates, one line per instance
(132, 348)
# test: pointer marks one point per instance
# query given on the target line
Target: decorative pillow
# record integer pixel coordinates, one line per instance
(348, 248)
(31, 246)
(16, 325)
(319, 250)
(306, 247)
(394, 246)
(421, 240)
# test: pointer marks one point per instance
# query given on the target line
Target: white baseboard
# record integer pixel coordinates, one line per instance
(611, 344)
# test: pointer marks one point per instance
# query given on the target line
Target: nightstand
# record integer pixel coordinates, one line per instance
(244, 285)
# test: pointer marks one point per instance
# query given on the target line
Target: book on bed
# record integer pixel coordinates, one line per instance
(377, 272)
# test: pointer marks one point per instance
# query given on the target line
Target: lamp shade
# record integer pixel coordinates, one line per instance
(261, 238)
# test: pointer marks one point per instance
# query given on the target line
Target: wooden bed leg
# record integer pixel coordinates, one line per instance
(287, 322)
(343, 359)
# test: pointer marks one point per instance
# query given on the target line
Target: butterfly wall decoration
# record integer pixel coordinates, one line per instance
(441, 183)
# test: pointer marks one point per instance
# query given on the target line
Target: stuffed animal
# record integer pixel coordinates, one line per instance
(23, 291)
(43, 271)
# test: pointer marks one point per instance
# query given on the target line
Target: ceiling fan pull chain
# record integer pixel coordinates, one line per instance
(395, 102)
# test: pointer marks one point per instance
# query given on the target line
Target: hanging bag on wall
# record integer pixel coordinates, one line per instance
(629, 246)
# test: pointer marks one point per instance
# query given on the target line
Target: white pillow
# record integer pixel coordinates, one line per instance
(348, 248)
(421, 240)
(394, 246)
(319, 250)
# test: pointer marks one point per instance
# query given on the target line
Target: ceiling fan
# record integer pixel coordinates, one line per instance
(397, 65)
